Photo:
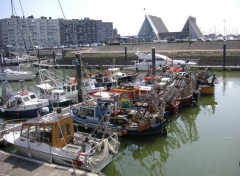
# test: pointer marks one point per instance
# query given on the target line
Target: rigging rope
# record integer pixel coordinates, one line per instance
(61, 9)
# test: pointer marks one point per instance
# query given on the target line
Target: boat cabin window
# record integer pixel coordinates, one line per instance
(12, 103)
(26, 98)
(148, 61)
(56, 95)
(160, 59)
(24, 131)
(61, 132)
(68, 89)
(68, 129)
(32, 96)
(73, 88)
(38, 133)
(19, 101)
(87, 112)
(106, 80)
(64, 88)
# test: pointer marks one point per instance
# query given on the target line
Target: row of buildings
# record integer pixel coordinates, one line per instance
(47, 32)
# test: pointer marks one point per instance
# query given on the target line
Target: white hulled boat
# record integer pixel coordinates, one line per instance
(51, 138)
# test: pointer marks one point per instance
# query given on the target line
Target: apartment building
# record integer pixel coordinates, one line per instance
(29, 32)
(47, 32)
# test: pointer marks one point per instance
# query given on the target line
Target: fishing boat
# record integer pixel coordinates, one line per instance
(51, 138)
(91, 114)
(67, 84)
(108, 110)
(21, 104)
(206, 83)
(56, 96)
(113, 76)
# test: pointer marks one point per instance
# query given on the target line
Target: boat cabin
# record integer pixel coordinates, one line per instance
(21, 98)
(92, 110)
(70, 88)
(53, 129)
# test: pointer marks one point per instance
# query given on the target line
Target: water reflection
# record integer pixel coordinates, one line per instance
(147, 155)
(224, 82)
(208, 104)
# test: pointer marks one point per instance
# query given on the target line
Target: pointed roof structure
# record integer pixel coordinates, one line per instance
(192, 28)
(151, 27)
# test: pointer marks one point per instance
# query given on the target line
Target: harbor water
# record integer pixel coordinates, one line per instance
(202, 140)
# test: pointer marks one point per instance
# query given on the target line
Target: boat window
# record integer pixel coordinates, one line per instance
(47, 135)
(160, 59)
(12, 103)
(25, 98)
(87, 112)
(106, 80)
(68, 128)
(32, 96)
(64, 87)
(73, 88)
(24, 131)
(68, 89)
(56, 96)
(19, 101)
(61, 132)
(63, 93)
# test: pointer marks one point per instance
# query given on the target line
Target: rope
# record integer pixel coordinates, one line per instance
(61, 9)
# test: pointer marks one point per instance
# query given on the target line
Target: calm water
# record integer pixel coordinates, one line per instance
(202, 141)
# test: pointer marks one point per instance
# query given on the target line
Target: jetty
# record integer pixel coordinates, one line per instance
(16, 165)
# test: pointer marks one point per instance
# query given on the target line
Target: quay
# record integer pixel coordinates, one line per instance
(211, 67)
(15, 165)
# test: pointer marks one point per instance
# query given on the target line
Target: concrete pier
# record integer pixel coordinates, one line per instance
(15, 165)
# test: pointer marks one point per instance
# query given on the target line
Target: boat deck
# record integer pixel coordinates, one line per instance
(15, 165)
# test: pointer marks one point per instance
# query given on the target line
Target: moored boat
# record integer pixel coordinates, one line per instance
(207, 89)
(51, 138)
(206, 82)
(7, 74)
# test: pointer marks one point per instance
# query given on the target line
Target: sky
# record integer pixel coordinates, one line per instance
(127, 16)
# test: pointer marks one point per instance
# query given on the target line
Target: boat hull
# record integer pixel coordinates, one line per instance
(158, 128)
(124, 130)
(100, 127)
(186, 101)
(207, 89)
(27, 112)
(42, 151)
(173, 108)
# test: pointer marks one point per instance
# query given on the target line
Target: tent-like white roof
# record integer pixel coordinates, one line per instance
(45, 86)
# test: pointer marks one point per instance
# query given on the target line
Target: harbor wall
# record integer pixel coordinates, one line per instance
(205, 53)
